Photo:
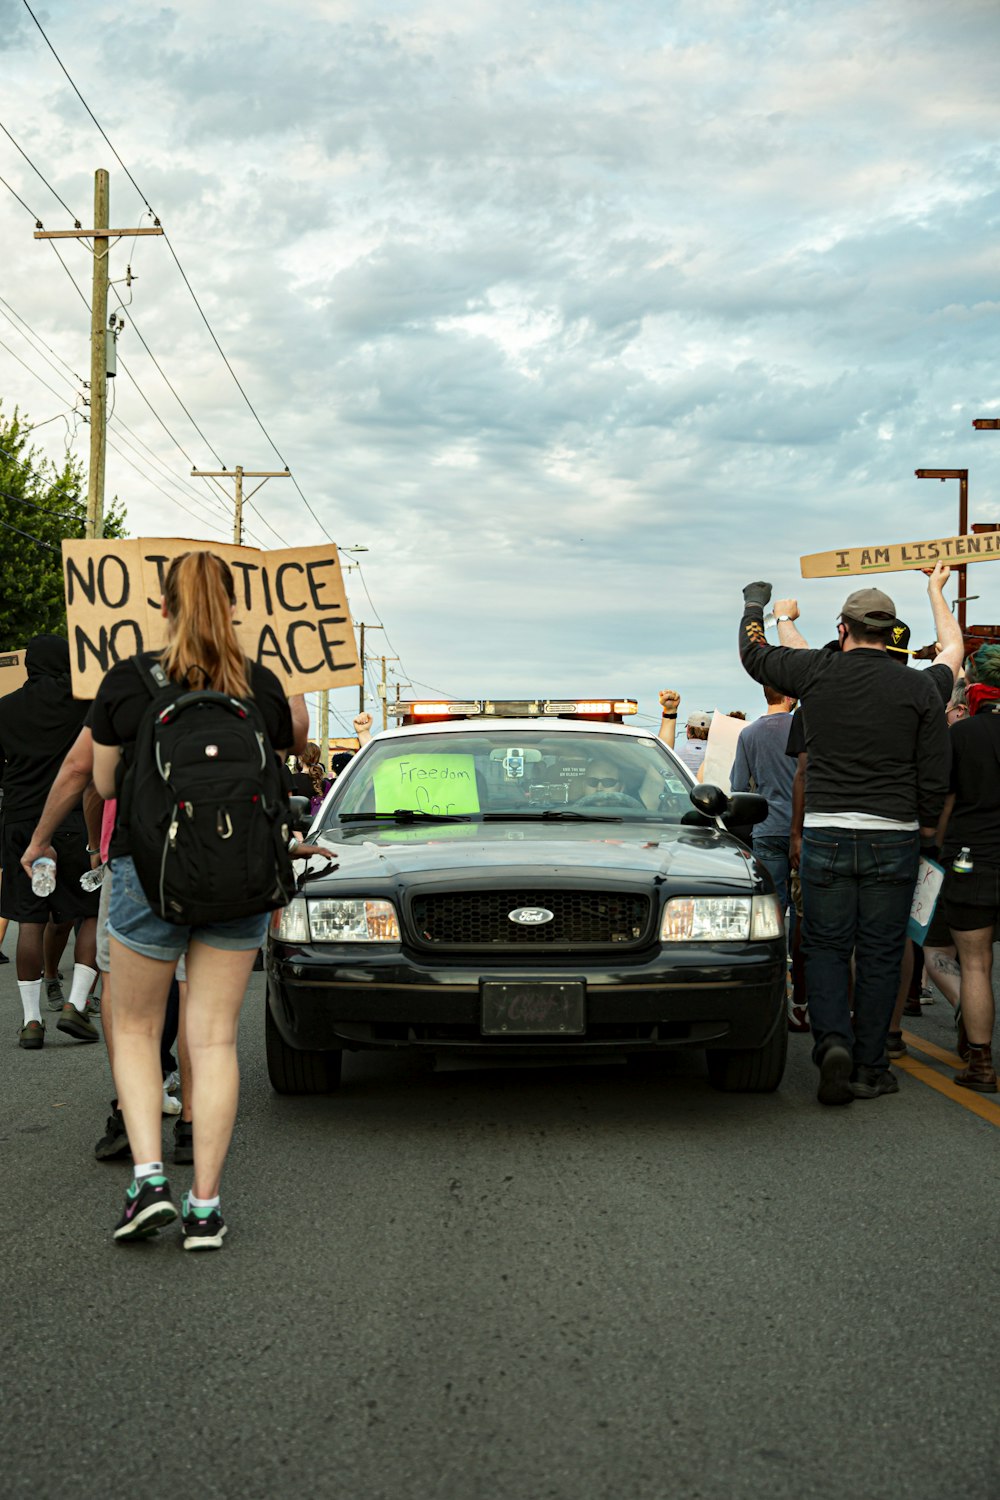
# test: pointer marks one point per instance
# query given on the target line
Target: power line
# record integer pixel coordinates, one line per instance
(38, 222)
(87, 107)
(30, 371)
(36, 539)
(38, 174)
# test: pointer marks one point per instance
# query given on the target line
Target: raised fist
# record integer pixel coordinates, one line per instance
(757, 593)
(669, 700)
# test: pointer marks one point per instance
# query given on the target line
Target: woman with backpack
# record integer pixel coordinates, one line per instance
(198, 715)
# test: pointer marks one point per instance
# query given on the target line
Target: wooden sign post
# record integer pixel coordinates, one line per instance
(291, 610)
(901, 557)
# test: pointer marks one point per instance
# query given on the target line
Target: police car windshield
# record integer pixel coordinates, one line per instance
(517, 773)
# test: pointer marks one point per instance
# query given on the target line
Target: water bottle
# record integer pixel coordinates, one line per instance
(91, 879)
(962, 864)
(43, 875)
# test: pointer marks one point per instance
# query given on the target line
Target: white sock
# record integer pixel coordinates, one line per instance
(147, 1169)
(31, 999)
(83, 978)
(205, 1205)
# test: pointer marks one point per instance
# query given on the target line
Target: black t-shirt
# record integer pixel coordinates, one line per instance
(796, 745)
(940, 675)
(32, 752)
(122, 699)
(875, 734)
(975, 780)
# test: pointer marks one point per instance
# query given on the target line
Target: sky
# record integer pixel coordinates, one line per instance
(577, 316)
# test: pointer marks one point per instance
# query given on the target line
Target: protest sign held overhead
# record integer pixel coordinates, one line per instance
(901, 557)
(13, 672)
(291, 610)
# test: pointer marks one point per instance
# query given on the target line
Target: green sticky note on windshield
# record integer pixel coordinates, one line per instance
(427, 783)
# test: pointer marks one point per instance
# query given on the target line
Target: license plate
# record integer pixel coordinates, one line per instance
(533, 1009)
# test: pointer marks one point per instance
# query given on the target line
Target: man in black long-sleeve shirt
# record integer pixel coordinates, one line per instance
(878, 777)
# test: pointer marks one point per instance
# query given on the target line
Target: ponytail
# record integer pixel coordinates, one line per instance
(200, 596)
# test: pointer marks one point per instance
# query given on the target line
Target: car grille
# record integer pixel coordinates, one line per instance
(585, 919)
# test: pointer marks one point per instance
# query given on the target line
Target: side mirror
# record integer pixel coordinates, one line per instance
(745, 809)
(710, 800)
(299, 809)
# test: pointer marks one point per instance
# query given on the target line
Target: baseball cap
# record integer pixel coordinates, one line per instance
(898, 643)
(870, 607)
(699, 719)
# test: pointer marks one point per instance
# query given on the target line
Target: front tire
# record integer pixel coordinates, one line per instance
(757, 1070)
(292, 1071)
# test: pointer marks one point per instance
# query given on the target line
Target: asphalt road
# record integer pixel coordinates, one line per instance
(562, 1284)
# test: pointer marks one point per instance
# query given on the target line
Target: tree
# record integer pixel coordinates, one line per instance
(40, 504)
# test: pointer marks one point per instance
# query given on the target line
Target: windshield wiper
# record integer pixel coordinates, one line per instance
(404, 815)
(550, 815)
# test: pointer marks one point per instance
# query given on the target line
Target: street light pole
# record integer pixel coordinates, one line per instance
(962, 475)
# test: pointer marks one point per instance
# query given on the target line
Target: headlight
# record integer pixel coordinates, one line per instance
(721, 919)
(357, 921)
(291, 923)
(767, 920)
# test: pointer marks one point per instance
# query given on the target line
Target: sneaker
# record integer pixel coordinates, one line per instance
(32, 1036)
(872, 1083)
(912, 1007)
(171, 1106)
(172, 1083)
(201, 1233)
(114, 1141)
(183, 1143)
(93, 1006)
(835, 1070)
(895, 1046)
(147, 1209)
(54, 997)
(927, 996)
(3, 957)
(76, 1024)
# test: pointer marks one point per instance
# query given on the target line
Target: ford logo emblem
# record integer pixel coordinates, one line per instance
(530, 916)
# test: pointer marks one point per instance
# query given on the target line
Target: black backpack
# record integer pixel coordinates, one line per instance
(204, 807)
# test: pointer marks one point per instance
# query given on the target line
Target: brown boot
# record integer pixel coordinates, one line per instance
(980, 1075)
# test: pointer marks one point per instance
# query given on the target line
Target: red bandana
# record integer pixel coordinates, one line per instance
(979, 695)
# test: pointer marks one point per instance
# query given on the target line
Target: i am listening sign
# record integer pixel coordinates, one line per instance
(291, 611)
(901, 556)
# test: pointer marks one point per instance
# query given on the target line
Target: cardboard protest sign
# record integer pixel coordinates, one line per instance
(437, 783)
(902, 556)
(13, 672)
(721, 752)
(291, 610)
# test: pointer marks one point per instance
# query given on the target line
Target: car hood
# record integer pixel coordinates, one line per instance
(690, 856)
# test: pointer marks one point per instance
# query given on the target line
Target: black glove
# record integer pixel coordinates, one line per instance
(757, 593)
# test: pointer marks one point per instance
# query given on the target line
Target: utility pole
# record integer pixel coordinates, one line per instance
(102, 236)
(382, 692)
(362, 627)
(324, 723)
(239, 474)
(962, 475)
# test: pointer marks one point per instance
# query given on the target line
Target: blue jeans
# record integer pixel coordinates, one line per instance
(772, 853)
(857, 890)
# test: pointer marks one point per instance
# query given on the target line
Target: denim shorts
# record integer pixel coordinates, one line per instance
(136, 926)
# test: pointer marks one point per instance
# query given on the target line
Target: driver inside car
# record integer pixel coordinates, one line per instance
(603, 786)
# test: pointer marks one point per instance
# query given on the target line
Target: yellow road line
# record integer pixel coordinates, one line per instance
(931, 1049)
(977, 1104)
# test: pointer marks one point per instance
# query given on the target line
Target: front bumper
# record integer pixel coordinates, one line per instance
(703, 995)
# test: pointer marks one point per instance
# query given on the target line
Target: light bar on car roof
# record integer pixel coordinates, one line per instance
(435, 710)
(516, 708)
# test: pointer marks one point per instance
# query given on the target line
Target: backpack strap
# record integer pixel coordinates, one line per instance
(152, 676)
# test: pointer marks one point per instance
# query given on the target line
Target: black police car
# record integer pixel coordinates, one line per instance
(529, 886)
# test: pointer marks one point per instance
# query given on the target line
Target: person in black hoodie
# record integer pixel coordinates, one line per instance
(878, 777)
(970, 897)
(38, 723)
